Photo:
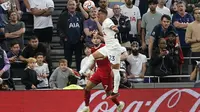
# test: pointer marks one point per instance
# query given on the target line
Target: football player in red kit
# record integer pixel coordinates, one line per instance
(102, 75)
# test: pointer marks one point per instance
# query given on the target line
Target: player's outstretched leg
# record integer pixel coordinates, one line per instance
(89, 63)
(120, 105)
(87, 95)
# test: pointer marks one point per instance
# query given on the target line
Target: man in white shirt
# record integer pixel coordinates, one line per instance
(103, 4)
(43, 25)
(137, 62)
(133, 12)
(161, 8)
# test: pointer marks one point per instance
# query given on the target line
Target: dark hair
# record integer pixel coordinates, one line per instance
(9, 13)
(72, 80)
(104, 11)
(152, 2)
(166, 16)
(181, 2)
(33, 38)
(39, 54)
(13, 43)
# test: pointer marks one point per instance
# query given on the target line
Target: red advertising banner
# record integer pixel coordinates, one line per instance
(136, 100)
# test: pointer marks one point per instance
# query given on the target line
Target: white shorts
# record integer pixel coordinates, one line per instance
(112, 54)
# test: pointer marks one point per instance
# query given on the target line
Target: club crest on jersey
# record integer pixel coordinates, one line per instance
(74, 25)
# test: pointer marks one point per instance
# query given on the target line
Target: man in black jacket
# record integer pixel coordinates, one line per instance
(123, 24)
(70, 29)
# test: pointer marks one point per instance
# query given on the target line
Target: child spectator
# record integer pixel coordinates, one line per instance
(83, 62)
(29, 78)
(42, 70)
(14, 53)
(59, 77)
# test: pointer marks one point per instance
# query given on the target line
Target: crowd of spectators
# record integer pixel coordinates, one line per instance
(164, 32)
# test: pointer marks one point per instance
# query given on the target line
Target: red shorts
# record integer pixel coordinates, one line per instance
(104, 77)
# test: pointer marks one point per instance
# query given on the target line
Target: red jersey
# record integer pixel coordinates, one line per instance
(104, 63)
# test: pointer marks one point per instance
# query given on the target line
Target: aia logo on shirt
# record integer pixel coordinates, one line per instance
(74, 25)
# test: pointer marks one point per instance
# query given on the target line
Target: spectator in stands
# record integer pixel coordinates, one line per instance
(124, 26)
(192, 35)
(90, 25)
(32, 49)
(4, 64)
(42, 70)
(191, 4)
(14, 30)
(160, 31)
(103, 4)
(162, 9)
(137, 64)
(174, 8)
(59, 77)
(175, 52)
(149, 21)
(160, 63)
(72, 84)
(181, 20)
(83, 62)
(73, 40)
(14, 53)
(124, 83)
(29, 78)
(43, 25)
(133, 12)
(79, 8)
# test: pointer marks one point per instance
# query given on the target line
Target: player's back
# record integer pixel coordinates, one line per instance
(109, 35)
(103, 63)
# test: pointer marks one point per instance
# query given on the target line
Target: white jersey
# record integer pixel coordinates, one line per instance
(134, 15)
(109, 35)
(41, 22)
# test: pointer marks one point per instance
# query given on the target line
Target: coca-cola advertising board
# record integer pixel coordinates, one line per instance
(136, 100)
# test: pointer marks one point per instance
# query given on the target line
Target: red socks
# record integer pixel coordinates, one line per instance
(87, 97)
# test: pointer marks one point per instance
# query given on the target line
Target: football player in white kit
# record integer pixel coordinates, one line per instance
(112, 50)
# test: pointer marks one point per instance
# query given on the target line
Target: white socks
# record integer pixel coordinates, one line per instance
(116, 80)
(89, 63)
